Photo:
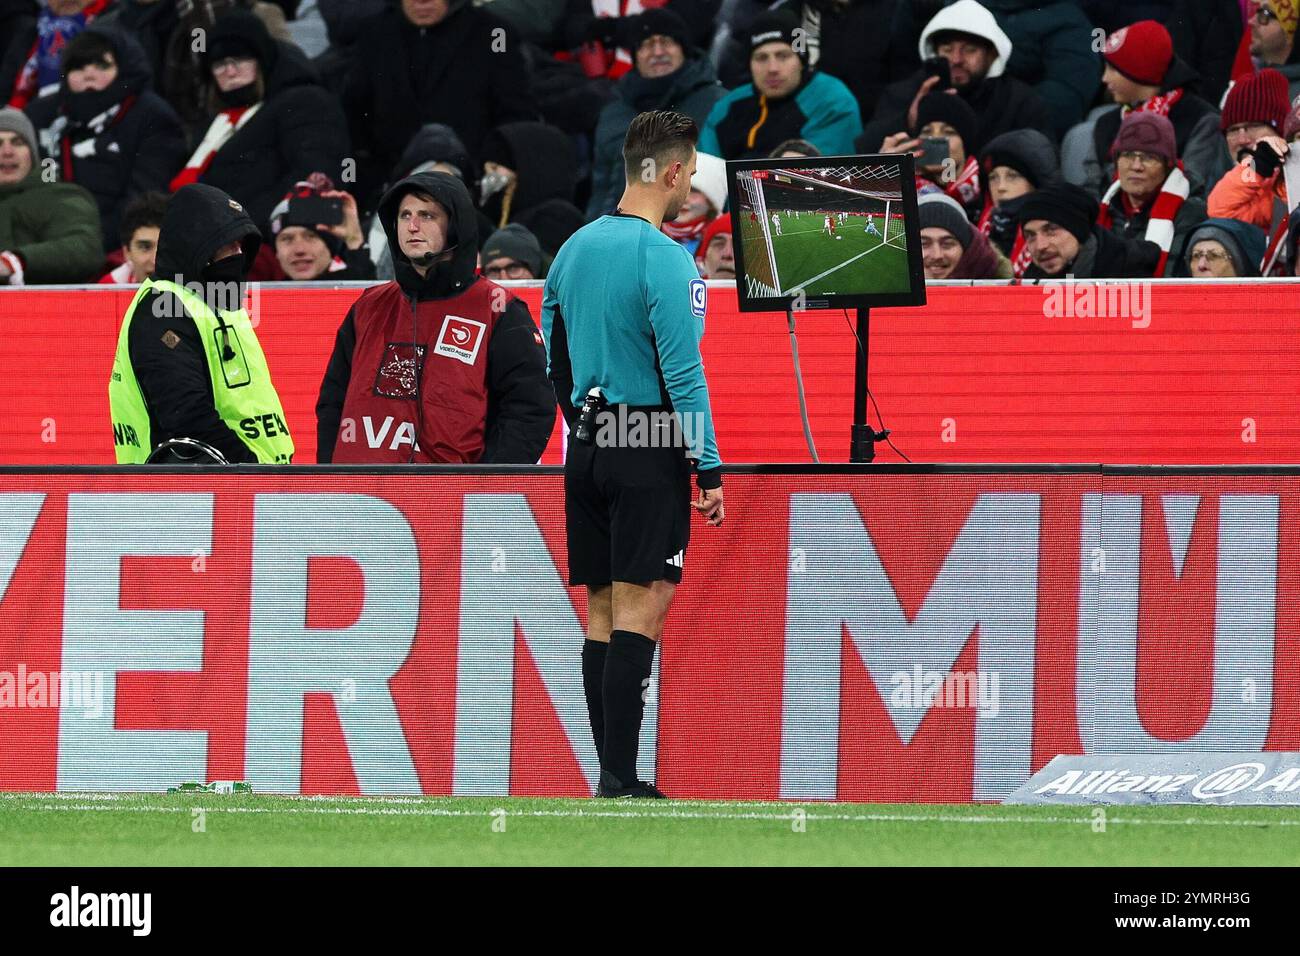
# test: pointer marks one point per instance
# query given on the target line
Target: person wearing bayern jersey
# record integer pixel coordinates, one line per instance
(623, 315)
(441, 364)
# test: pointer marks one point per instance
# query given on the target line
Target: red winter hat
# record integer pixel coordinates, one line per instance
(1257, 98)
(1141, 51)
(721, 224)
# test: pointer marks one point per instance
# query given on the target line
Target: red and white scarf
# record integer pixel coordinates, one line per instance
(1160, 104)
(685, 230)
(224, 125)
(1160, 222)
(965, 189)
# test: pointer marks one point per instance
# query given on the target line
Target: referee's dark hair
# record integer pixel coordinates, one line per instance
(661, 136)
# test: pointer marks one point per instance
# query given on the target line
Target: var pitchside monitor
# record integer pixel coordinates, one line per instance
(831, 232)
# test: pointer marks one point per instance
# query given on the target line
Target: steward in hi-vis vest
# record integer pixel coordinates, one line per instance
(188, 362)
(441, 365)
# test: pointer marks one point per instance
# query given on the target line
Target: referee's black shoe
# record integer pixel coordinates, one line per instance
(610, 786)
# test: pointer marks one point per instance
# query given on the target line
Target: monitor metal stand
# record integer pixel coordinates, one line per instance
(863, 438)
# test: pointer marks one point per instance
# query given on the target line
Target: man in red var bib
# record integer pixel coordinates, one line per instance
(441, 365)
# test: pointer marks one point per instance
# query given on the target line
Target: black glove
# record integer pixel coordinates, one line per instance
(1266, 160)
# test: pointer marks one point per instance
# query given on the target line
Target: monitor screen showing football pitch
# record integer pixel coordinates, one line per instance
(829, 232)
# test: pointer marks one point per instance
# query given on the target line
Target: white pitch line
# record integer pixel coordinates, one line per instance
(809, 282)
(666, 814)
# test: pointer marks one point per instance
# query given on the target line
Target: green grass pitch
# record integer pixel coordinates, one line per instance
(808, 258)
(159, 830)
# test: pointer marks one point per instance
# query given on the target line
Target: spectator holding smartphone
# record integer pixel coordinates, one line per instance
(317, 234)
(1254, 190)
(945, 141)
(976, 50)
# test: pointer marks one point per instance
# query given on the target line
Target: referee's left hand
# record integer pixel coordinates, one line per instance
(709, 504)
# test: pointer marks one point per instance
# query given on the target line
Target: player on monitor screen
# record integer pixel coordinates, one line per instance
(776, 224)
(871, 227)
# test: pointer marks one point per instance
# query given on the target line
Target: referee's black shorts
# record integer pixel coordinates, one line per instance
(627, 513)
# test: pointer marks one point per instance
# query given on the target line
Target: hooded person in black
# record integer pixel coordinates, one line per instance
(520, 405)
(434, 148)
(207, 241)
(118, 142)
(540, 195)
(1031, 155)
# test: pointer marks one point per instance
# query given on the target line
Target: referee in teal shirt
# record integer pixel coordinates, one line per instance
(623, 314)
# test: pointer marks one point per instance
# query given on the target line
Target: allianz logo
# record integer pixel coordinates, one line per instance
(1224, 782)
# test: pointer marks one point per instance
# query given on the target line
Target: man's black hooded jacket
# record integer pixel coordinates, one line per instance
(167, 353)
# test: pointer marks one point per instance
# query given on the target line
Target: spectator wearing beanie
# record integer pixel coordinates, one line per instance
(308, 250)
(786, 99)
(1254, 116)
(715, 258)
(594, 27)
(273, 124)
(1272, 26)
(1256, 107)
(1063, 238)
(849, 40)
(1224, 249)
(108, 130)
(669, 74)
(939, 114)
(1013, 166)
(978, 51)
(1142, 75)
(1150, 196)
(951, 248)
(49, 231)
(512, 252)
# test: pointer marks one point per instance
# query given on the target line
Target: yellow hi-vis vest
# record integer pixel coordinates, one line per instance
(242, 391)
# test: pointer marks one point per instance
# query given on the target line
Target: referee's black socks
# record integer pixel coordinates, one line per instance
(593, 680)
(627, 678)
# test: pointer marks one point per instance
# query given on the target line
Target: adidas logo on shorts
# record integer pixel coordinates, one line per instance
(676, 559)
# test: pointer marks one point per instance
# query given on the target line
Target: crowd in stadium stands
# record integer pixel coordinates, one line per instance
(1097, 138)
